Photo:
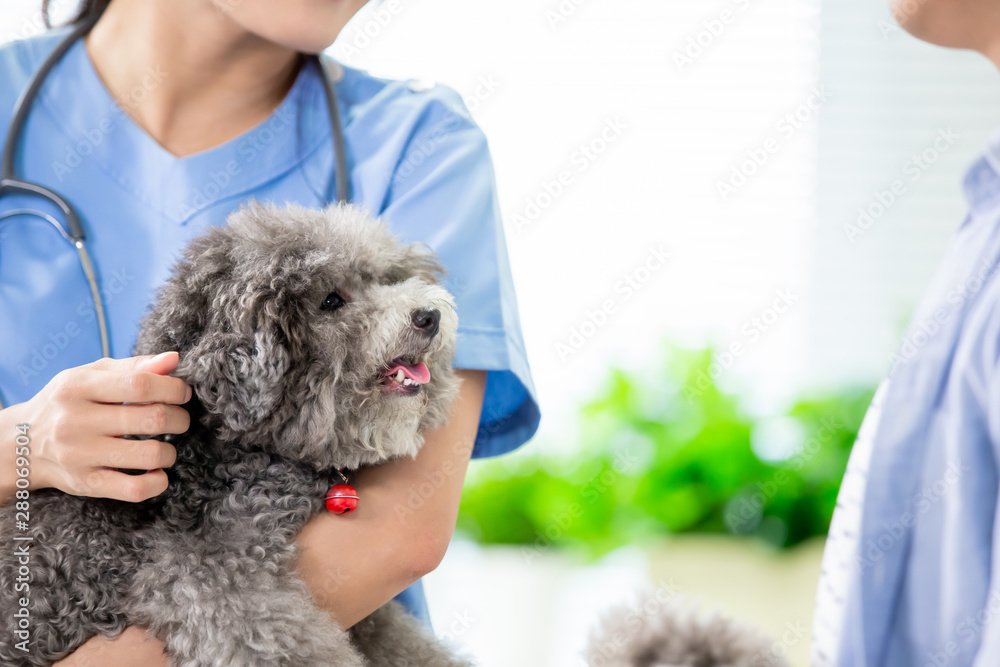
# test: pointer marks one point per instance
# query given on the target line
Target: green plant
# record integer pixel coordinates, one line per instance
(666, 453)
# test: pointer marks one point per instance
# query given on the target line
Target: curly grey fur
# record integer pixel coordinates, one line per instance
(284, 393)
(672, 633)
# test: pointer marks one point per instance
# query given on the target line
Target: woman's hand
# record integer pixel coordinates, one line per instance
(76, 423)
(132, 648)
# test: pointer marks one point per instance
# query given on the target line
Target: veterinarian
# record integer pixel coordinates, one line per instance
(911, 572)
(159, 121)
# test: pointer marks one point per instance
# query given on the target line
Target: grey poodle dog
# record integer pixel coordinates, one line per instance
(671, 632)
(314, 342)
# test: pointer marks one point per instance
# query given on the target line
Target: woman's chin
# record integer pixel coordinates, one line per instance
(954, 24)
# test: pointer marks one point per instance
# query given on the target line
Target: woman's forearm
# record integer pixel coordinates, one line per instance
(132, 648)
(357, 562)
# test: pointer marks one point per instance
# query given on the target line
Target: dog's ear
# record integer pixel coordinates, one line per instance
(238, 364)
(233, 331)
(183, 305)
(237, 377)
(416, 260)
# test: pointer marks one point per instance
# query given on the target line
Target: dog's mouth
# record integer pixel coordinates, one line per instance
(405, 376)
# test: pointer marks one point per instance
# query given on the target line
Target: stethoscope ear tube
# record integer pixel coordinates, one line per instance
(339, 149)
(95, 293)
(74, 228)
(85, 264)
(11, 184)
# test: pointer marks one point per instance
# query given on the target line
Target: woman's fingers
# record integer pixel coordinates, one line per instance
(132, 454)
(78, 418)
(129, 387)
(161, 364)
(110, 453)
(110, 483)
(132, 380)
(142, 419)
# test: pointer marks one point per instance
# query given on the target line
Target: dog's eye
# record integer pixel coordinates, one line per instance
(333, 301)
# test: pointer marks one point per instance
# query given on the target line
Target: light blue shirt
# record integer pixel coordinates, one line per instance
(926, 591)
(416, 157)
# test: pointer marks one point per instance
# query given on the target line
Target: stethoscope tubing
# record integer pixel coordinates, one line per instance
(73, 231)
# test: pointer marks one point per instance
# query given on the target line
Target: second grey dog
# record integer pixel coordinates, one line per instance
(308, 337)
(658, 631)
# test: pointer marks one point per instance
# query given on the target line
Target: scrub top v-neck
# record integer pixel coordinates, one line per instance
(416, 157)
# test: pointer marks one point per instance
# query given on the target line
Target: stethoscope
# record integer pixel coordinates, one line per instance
(73, 231)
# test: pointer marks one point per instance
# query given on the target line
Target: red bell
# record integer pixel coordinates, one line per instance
(341, 499)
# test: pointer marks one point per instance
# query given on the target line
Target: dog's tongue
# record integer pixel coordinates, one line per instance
(416, 372)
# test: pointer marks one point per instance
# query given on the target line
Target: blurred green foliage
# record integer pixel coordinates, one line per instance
(668, 452)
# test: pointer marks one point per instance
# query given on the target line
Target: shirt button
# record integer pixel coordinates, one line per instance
(420, 85)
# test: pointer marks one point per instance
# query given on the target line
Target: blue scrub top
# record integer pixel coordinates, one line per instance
(416, 157)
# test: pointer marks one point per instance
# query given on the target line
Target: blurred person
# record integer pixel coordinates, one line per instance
(908, 572)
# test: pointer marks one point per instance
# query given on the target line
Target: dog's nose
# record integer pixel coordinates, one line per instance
(426, 321)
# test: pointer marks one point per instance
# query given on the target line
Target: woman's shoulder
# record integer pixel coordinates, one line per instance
(401, 102)
(19, 59)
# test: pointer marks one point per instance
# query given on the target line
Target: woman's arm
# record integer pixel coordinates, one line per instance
(357, 562)
(76, 423)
